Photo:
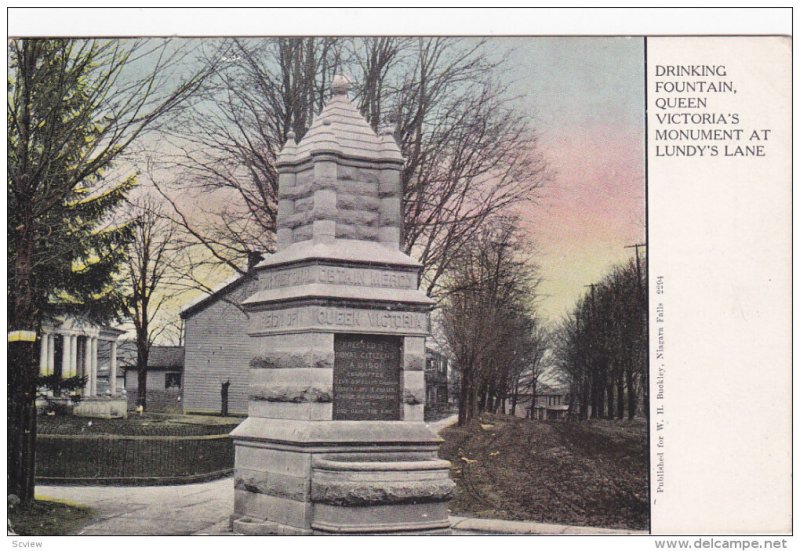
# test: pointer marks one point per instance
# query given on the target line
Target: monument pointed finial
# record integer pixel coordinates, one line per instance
(288, 150)
(341, 85)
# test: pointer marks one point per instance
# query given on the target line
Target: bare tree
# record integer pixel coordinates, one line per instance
(152, 274)
(469, 154)
(224, 149)
(535, 345)
(601, 347)
(486, 315)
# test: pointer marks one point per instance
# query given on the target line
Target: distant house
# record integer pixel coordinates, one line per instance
(547, 402)
(164, 378)
(72, 347)
(551, 404)
(436, 393)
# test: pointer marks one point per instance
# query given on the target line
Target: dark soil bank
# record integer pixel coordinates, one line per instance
(590, 473)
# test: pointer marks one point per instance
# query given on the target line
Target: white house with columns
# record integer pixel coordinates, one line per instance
(69, 348)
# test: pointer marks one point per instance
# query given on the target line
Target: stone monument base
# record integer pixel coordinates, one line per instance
(341, 477)
(103, 407)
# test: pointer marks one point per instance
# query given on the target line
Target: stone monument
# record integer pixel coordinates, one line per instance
(335, 440)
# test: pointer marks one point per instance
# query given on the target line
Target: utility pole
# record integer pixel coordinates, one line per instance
(644, 329)
(638, 266)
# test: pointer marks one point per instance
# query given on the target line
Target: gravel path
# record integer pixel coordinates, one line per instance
(152, 510)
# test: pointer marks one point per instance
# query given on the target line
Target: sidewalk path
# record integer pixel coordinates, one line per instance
(465, 526)
(152, 510)
(438, 426)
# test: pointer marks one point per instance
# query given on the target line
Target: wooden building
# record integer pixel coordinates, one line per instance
(217, 349)
(164, 379)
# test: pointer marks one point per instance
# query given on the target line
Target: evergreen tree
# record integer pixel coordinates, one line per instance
(71, 113)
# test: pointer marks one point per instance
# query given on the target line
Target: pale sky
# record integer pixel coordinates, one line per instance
(586, 96)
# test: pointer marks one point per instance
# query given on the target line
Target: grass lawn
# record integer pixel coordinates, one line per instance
(590, 473)
(138, 425)
(148, 449)
(48, 517)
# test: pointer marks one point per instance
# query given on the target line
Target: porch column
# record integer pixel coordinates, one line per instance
(73, 358)
(94, 366)
(66, 355)
(43, 353)
(51, 353)
(113, 374)
(87, 365)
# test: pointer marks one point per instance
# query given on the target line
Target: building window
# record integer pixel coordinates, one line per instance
(172, 380)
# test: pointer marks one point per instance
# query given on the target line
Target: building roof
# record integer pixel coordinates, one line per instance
(82, 326)
(165, 356)
(161, 357)
(199, 304)
(544, 386)
(543, 389)
(341, 129)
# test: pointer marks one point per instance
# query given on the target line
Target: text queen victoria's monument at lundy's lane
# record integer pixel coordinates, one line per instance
(335, 440)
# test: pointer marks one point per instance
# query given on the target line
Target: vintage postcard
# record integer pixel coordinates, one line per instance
(353, 272)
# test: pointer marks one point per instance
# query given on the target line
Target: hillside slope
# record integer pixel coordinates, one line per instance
(591, 473)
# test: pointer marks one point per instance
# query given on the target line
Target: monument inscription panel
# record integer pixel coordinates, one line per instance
(366, 377)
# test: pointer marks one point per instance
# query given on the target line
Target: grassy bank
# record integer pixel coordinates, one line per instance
(591, 473)
(48, 517)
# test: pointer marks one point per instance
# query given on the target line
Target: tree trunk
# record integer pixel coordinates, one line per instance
(474, 411)
(571, 407)
(610, 401)
(631, 393)
(142, 358)
(23, 361)
(463, 398)
(646, 389)
(584, 413)
(481, 399)
(141, 392)
(491, 399)
(620, 397)
(514, 398)
(21, 426)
